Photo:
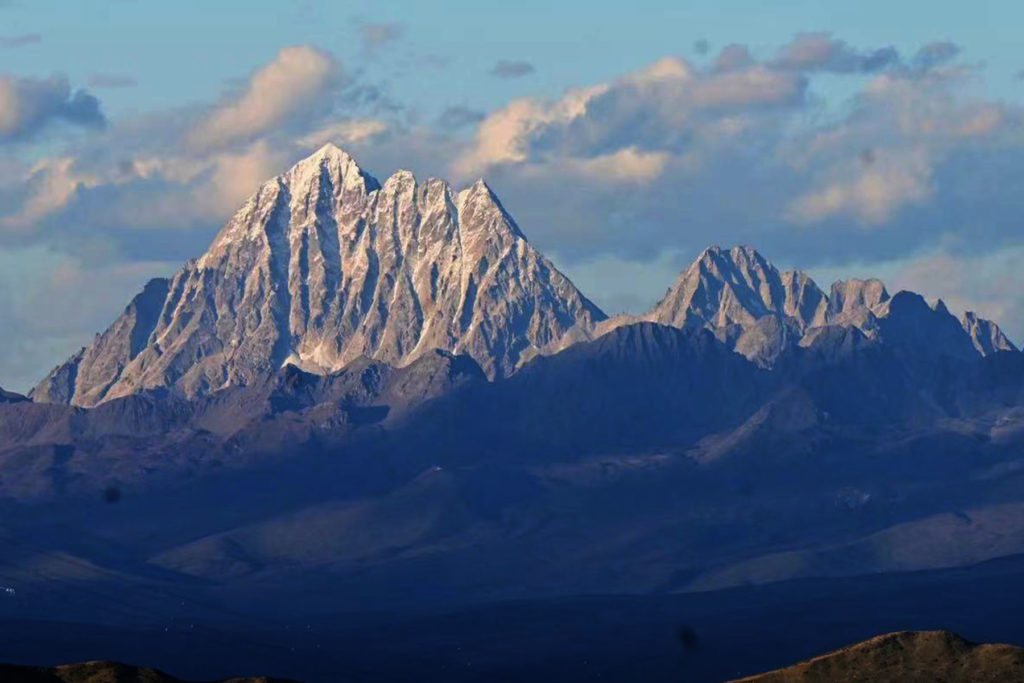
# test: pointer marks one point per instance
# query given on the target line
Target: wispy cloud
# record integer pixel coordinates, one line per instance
(20, 40)
(512, 69)
(352, 131)
(459, 117)
(376, 36)
(936, 54)
(112, 81)
(286, 88)
(821, 51)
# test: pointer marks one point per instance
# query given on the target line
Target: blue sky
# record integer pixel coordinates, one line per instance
(844, 138)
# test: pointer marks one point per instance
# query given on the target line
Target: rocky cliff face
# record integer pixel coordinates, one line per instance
(738, 287)
(985, 335)
(324, 265)
(760, 312)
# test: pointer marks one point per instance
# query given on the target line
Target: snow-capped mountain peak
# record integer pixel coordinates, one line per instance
(322, 265)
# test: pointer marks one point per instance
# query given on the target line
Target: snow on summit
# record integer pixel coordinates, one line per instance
(322, 265)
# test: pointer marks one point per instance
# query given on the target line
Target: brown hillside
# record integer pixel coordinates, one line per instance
(99, 672)
(907, 657)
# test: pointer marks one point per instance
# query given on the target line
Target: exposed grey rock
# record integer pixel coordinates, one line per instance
(739, 286)
(88, 375)
(760, 312)
(324, 265)
(985, 335)
(852, 300)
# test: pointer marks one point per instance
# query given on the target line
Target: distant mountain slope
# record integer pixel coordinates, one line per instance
(56, 450)
(323, 265)
(907, 657)
(652, 458)
(100, 672)
(760, 312)
(986, 335)
(738, 287)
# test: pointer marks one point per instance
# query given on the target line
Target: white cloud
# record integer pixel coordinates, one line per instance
(236, 176)
(875, 190)
(658, 108)
(51, 184)
(289, 86)
(349, 132)
(504, 135)
(627, 165)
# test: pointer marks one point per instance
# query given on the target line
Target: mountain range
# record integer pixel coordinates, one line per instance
(324, 265)
(376, 396)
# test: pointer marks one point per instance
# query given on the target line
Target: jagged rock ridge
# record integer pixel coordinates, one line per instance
(324, 265)
(985, 335)
(760, 312)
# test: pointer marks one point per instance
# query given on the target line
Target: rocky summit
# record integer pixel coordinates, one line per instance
(323, 265)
